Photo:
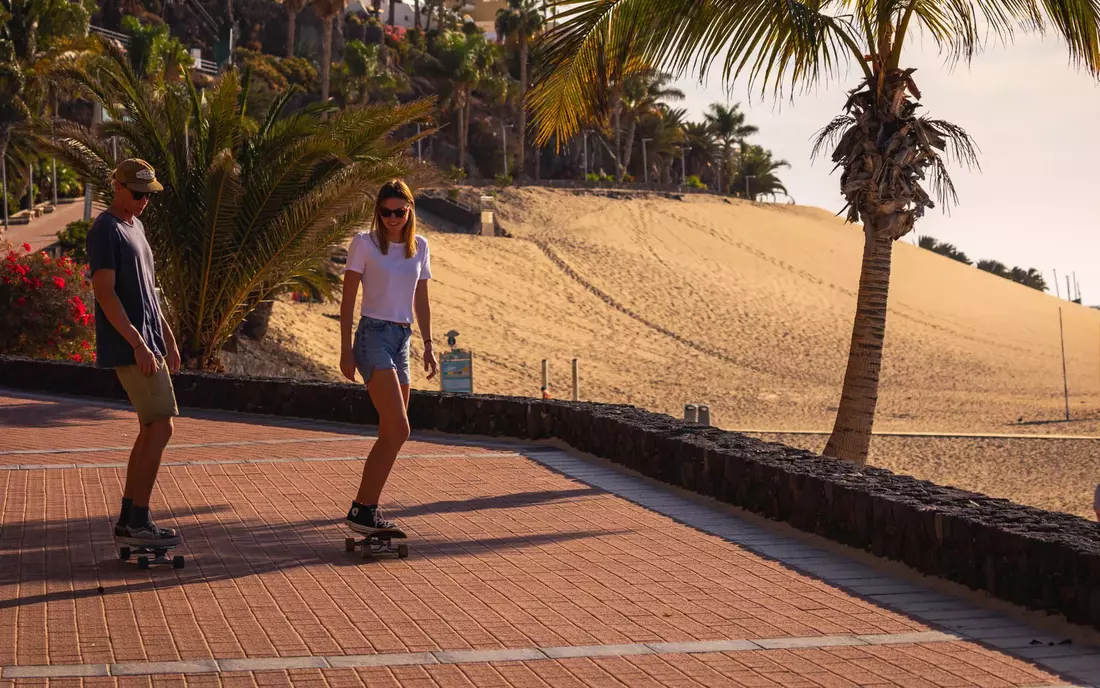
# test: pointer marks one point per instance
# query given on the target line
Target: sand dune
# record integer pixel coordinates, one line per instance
(748, 307)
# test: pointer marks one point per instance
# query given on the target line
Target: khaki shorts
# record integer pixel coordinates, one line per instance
(153, 397)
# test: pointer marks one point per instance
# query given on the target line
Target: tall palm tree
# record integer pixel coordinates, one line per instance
(728, 124)
(885, 151)
(327, 10)
(466, 63)
(248, 205)
(642, 93)
(755, 174)
(521, 21)
(293, 7)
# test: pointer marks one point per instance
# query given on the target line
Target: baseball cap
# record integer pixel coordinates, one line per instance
(137, 175)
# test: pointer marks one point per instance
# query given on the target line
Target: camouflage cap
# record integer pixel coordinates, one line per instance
(137, 175)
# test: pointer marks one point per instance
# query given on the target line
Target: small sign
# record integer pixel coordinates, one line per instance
(457, 371)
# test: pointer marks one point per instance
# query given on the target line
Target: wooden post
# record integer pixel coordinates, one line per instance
(1065, 382)
(704, 414)
(576, 382)
(545, 373)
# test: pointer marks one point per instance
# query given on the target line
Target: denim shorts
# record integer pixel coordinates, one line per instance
(379, 345)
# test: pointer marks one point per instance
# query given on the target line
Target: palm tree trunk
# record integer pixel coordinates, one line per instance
(291, 25)
(326, 55)
(428, 20)
(854, 419)
(392, 12)
(521, 167)
(629, 148)
(416, 13)
(621, 171)
(463, 122)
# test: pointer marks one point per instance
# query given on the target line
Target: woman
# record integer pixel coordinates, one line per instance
(392, 264)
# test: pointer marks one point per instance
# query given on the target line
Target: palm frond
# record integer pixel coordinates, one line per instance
(774, 43)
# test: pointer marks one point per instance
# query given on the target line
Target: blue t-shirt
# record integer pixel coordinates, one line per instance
(121, 246)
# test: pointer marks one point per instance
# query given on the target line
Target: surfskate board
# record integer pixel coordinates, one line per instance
(380, 542)
(159, 553)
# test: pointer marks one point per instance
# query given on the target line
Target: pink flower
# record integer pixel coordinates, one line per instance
(59, 282)
(21, 300)
(26, 247)
(86, 345)
(76, 357)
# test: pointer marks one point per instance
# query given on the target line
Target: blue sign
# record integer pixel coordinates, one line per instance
(456, 370)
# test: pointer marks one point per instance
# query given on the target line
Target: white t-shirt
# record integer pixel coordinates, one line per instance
(389, 281)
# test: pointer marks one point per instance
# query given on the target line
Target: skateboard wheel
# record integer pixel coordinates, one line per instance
(367, 552)
(349, 544)
(124, 553)
(177, 561)
(402, 551)
(143, 562)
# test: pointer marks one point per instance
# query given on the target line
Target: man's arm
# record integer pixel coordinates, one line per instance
(172, 355)
(103, 283)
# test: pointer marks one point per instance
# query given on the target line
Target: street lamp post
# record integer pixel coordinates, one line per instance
(645, 161)
(747, 178)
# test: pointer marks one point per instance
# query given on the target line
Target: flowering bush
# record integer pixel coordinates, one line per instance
(46, 307)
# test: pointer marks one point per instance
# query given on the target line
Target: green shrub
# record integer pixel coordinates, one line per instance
(693, 182)
(73, 239)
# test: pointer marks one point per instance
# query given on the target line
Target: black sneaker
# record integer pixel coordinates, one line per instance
(148, 535)
(367, 519)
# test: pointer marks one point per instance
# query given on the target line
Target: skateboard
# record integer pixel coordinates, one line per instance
(378, 543)
(142, 552)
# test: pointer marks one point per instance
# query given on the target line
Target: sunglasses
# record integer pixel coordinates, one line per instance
(139, 195)
(399, 213)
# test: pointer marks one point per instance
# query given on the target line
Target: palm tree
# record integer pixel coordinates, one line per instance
(755, 174)
(249, 205)
(520, 21)
(293, 7)
(702, 146)
(327, 10)
(466, 63)
(728, 124)
(886, 152)
(642, 93)
(35, 35)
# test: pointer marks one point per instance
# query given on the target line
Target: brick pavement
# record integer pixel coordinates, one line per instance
(528, 567)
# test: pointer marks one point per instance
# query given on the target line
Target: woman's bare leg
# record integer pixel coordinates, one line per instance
(390, 399)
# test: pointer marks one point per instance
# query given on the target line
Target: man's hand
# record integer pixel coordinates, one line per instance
(146, 361)
(173, 358)
(347, 364)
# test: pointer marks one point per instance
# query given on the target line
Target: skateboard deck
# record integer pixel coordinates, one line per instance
(380, 542)
(159, 552)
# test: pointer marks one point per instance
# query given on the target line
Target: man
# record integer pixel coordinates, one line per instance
(133, 338)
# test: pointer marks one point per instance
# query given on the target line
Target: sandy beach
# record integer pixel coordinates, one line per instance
(748, 308)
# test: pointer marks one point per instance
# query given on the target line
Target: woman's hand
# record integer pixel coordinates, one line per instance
(347, 364)
(431, 364)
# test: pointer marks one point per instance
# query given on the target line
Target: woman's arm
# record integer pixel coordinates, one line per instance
(422, 307)
(347, 317)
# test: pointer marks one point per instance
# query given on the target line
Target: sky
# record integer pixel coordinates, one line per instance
(1032, 203)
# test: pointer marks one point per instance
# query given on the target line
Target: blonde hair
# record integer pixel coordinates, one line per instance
(395, 188)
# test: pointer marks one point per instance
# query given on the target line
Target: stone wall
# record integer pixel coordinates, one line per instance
(1034, 558)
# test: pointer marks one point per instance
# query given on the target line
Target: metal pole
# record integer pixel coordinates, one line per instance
(545, 373)
(504, 143)
(1065, 382)
(4, 173)
(576, 382)
(683, 165)
(645, 160)
(704, 414)
(419, 159)
(53, 164)
(1069, 294)
(690, 413)
(30, 187)
(1057, 292)
(584, 137)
